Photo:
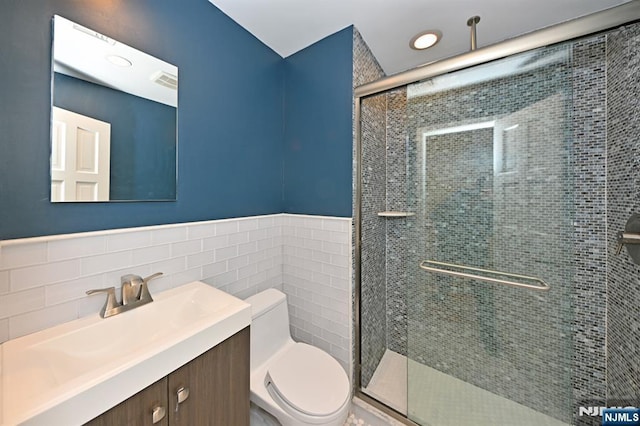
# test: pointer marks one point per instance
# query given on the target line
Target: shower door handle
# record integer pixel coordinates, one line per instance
(439, 268)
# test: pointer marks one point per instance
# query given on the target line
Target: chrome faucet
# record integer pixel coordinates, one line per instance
(135, 289)
(135, 292)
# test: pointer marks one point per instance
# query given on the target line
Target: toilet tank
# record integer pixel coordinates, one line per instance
(269, 325)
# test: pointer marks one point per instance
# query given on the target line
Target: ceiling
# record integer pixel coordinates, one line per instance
(287, 26)
(83, 53)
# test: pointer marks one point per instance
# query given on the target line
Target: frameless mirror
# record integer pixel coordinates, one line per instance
(113, 120)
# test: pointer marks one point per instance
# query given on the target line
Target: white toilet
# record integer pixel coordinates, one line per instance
(297, 383)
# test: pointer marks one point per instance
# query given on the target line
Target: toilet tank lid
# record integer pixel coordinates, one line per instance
(265, 301)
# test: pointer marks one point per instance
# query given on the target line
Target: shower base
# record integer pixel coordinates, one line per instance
(437, 399)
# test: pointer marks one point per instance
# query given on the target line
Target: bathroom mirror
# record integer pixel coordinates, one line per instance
(113, 120)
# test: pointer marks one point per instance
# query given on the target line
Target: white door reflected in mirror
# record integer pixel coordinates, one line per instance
(80, 157)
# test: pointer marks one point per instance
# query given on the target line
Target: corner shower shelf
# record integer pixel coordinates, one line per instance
(395, 214)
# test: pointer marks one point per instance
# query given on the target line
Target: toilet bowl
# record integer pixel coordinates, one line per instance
(296, 383)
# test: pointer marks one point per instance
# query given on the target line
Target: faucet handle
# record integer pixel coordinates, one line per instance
(110, 304)
(101, 290)
(144, 288)
(152, 276)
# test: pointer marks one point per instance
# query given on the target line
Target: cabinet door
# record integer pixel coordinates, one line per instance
(137, 410)
(218, 386)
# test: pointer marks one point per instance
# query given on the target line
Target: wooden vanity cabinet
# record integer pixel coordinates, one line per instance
(138, 409)
(218, 383)
(213, 390)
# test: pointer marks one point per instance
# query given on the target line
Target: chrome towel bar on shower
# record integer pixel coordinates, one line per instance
(437, 268)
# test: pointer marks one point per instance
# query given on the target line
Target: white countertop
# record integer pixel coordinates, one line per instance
(73, 372)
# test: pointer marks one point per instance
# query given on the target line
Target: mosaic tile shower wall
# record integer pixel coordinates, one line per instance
(623, 284)
(373, 333)
(397, 245)
(538, 185)
(589, 151)
(373, 294)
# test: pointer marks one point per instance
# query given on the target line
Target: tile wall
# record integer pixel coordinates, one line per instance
(317, 279)
(400, 240)
(43, 280)
(623, 155)
(373, 297)
(588, 161)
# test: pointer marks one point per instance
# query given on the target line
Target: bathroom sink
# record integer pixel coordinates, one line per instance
(71, 373)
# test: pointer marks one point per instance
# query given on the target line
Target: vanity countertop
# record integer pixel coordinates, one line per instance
(73, 372)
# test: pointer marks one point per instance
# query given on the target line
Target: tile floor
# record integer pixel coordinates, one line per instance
(435, 398)
(361, 414)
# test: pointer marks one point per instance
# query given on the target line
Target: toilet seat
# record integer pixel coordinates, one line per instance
(307, 382)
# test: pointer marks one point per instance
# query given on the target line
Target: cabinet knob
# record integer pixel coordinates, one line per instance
(182, 393)
(158, 413)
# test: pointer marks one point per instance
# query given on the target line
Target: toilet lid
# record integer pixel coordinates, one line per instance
(309, 380)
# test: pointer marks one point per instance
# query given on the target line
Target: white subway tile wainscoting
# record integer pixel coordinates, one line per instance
(43, 280)
(317, 281)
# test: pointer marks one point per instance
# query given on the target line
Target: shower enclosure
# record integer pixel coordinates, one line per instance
(491, 188)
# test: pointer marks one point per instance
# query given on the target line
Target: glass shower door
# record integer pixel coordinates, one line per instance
(489, 251)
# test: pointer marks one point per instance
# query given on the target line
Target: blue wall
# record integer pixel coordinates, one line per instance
(318, 128)
(230, 119)
(248, 144)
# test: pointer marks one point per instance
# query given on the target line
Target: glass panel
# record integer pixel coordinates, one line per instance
(381, 377)
(490, 182)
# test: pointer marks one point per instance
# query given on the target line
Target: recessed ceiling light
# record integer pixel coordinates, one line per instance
(425, 39)
(119, 61)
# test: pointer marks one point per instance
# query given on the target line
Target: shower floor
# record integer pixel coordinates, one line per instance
(438, 399)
